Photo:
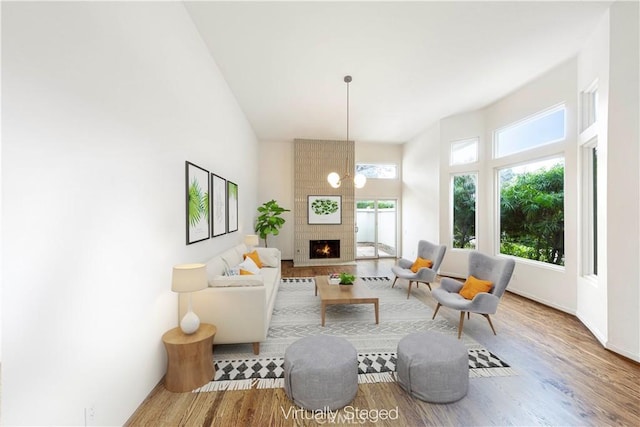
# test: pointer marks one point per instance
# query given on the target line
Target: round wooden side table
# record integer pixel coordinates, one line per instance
(190, 358)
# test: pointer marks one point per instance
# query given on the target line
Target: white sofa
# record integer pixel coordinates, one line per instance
(239, 306)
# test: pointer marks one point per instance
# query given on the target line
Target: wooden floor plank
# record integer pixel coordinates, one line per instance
(565, 377)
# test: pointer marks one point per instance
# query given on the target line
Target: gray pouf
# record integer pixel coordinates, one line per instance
(433, 367)
(321, 372)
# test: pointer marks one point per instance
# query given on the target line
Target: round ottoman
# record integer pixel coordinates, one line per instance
(433, 367)
(321, 372)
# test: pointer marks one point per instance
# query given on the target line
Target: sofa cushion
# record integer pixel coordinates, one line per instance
(232, 257)
(236, 281)
(215, 267)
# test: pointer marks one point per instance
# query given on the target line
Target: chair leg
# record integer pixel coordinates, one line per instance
(461, 324)
(468, 315)
(394, 281)
(436, 312)
(490, 323)
(409, 290)
(428, 285)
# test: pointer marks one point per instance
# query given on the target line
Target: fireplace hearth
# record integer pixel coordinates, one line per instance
(324, 249)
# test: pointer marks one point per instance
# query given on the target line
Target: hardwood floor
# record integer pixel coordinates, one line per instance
(565, 377)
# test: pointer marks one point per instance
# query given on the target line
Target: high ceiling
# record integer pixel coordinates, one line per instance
(412, 62)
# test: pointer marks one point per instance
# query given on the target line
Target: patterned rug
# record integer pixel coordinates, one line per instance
(296, 314)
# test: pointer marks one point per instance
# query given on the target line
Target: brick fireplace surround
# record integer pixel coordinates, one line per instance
(314, 160)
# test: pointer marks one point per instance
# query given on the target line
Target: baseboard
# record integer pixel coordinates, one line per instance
(543, 301)
(623, 352)
(451, 275)
(595, 331)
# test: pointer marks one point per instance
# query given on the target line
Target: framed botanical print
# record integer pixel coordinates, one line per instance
(197, 203)
(232, 207)
(324, 210)
(218, 205)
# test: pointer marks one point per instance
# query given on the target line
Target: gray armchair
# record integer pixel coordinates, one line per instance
(494, 269)
(426, 250)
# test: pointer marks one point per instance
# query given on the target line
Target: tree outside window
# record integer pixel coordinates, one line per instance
(464, 211)
(532, 211)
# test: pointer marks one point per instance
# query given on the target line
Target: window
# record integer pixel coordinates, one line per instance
(590, 210)
(543, 128)
(465, 151)
(532, 210)
(377, 171)
(464, 211)
(589, 106)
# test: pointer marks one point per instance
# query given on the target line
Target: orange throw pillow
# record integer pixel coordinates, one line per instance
(254, 257)
(421, 262)
(474, 286)
(245, 273)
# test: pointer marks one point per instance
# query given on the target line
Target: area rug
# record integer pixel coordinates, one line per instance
(296, 314)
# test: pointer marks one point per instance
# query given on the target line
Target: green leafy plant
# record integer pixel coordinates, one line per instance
(347, 279)
(269, 220)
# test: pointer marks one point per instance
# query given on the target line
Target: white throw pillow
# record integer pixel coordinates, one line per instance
(268, 257)
(249, 266)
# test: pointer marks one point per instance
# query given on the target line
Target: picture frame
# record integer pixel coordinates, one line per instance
(197, 193)
(324, 210)
(218, 205)
(232, 207)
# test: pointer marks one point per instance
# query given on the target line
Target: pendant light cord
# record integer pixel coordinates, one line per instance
(347, 79)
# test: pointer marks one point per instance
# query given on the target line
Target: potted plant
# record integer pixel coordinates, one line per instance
(347, 279)
(269, 220)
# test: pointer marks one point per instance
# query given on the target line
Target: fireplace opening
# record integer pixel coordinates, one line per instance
(324, 249)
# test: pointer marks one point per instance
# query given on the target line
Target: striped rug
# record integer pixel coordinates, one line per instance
(296, 314)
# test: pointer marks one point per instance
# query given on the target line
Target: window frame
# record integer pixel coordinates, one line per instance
(540, 114)
(474, 140)
(588, 210)
(589, 106)
(395, 166)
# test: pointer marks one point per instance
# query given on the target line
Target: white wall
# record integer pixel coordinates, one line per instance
(385, 154)
(420, 191)
(102, 105)
(276, 182)
(548, 284)
(623, 210)
(1, 220)
(611, 307)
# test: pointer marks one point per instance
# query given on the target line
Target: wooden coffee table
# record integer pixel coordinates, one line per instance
(358, 293)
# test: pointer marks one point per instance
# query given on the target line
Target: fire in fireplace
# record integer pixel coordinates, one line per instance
(324, 249)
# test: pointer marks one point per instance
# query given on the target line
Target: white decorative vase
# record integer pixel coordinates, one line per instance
(190, 323)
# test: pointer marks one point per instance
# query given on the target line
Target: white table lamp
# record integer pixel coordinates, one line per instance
(189, 278)
(251, 240)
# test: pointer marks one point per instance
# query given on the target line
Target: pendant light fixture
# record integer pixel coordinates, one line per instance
(334, 178)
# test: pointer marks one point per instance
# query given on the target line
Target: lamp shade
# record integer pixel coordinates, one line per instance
(334, 179)
(359, 180)
(251, 240)
(189, 278)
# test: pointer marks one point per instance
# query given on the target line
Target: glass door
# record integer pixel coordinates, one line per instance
(376, 224)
